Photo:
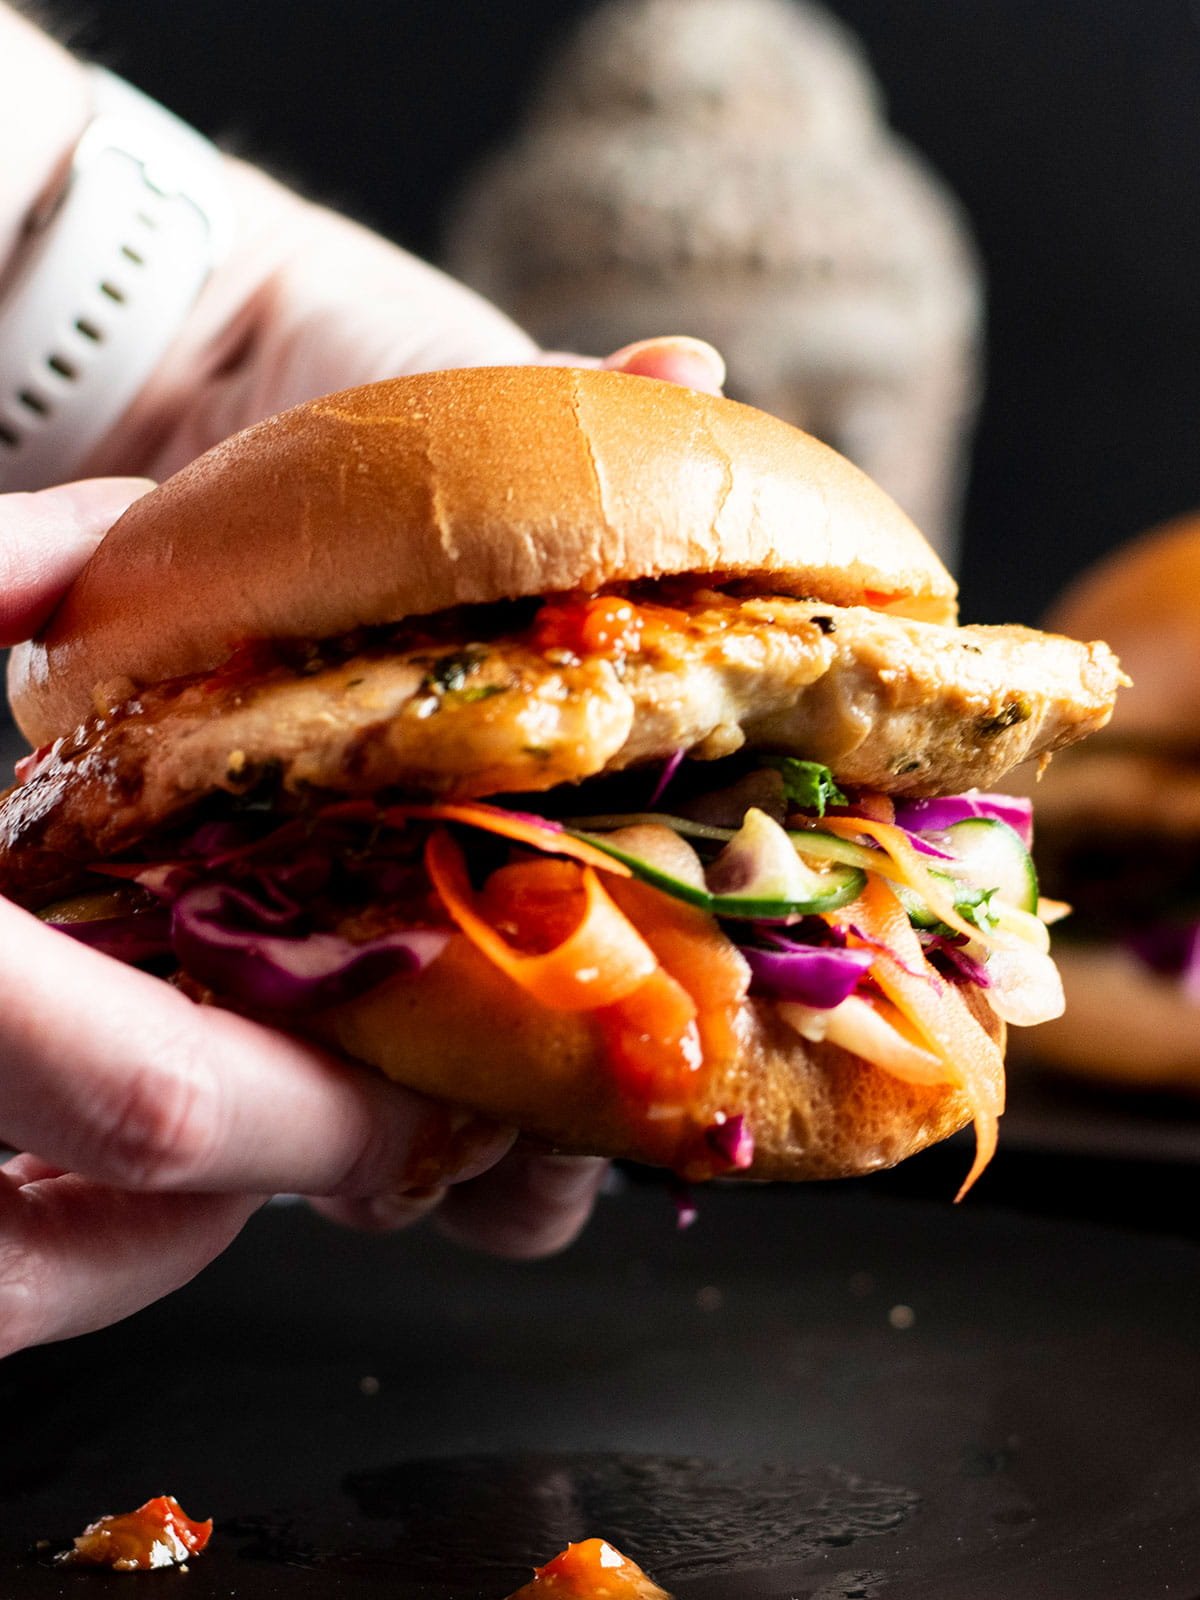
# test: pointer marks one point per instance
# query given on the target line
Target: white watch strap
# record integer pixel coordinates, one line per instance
(105, 281)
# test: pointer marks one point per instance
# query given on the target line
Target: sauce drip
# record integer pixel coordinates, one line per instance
(158, 1534)
(600, 625)
(590, 1570)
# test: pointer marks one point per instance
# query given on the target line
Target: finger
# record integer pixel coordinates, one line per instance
(75, 1256)
(29, 1169)
(112, 1073)
(382, 1213)
(530, 1204)
(46, 537)
(566, 358)
(675, 358)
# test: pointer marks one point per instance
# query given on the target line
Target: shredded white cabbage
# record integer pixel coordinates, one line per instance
(1024, 986)
(860, 1027)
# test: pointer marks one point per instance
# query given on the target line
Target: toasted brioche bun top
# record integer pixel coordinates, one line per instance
(1144, 599)
(404, 498)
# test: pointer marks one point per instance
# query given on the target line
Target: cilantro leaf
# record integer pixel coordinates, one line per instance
(807, 784)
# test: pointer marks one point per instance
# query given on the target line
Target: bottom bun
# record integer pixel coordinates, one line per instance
(462, 1032)
(1123, 1024)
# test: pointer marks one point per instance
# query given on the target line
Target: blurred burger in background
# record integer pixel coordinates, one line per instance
(1119, 828)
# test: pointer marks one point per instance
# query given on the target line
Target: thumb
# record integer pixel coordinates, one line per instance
(675, 358)
(672, 357)
(45, 538)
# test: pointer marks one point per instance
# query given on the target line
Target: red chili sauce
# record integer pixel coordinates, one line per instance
(590, 1570)
(158, 1534)
(598, 625)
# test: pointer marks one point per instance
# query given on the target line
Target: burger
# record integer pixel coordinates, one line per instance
(596, 755)
(1119, 829)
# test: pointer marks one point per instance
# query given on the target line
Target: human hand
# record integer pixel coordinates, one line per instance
(151, 1128)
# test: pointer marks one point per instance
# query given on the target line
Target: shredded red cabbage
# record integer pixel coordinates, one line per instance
(268, 911)
(731, 1141)
(1172, 949)
(214, 841)
(670, 768)
(931, 816)
(245, 910)
(214, 936)
(684, 1201)
(874, 944)
(923, 846)
(551, 824)
(950, 951)
(809, 931)
(808, 974)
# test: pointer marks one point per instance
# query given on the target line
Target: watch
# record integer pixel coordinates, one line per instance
(110, 268)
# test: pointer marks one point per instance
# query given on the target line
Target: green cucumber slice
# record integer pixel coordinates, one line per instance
(761, 897)
(828, 847)
(990, 860)
(991, 855)
(684, 826)
(760, 863)
(972, 904)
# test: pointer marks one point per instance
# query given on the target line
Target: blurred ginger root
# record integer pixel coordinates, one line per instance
(722, 167)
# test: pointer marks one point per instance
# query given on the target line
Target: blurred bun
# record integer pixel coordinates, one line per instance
(1144, 600)
(1124, 1024)
(432, 483)
(1135, 788)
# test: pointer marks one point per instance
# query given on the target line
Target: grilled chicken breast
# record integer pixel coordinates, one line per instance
(898, 705)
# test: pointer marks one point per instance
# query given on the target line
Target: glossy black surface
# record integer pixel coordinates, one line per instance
(741, 1407)
(12, 746)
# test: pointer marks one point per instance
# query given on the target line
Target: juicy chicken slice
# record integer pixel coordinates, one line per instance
(903, 706)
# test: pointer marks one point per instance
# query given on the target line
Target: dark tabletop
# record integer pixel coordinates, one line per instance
(827, 1392)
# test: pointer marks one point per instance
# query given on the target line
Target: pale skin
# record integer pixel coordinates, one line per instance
(150, 1128)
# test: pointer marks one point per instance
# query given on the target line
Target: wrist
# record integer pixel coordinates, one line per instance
(45, 104)
(221, 335)
(105, 274)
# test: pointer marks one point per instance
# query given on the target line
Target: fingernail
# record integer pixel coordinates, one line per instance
(81, 512)
(452, 1147)
(387, 1211)
(677, 358)
(87, 490)
(566, 1180)
(46, 536)
(93, 502)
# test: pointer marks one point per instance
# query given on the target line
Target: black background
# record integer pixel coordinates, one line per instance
(1070, 129)
(735, 1407)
